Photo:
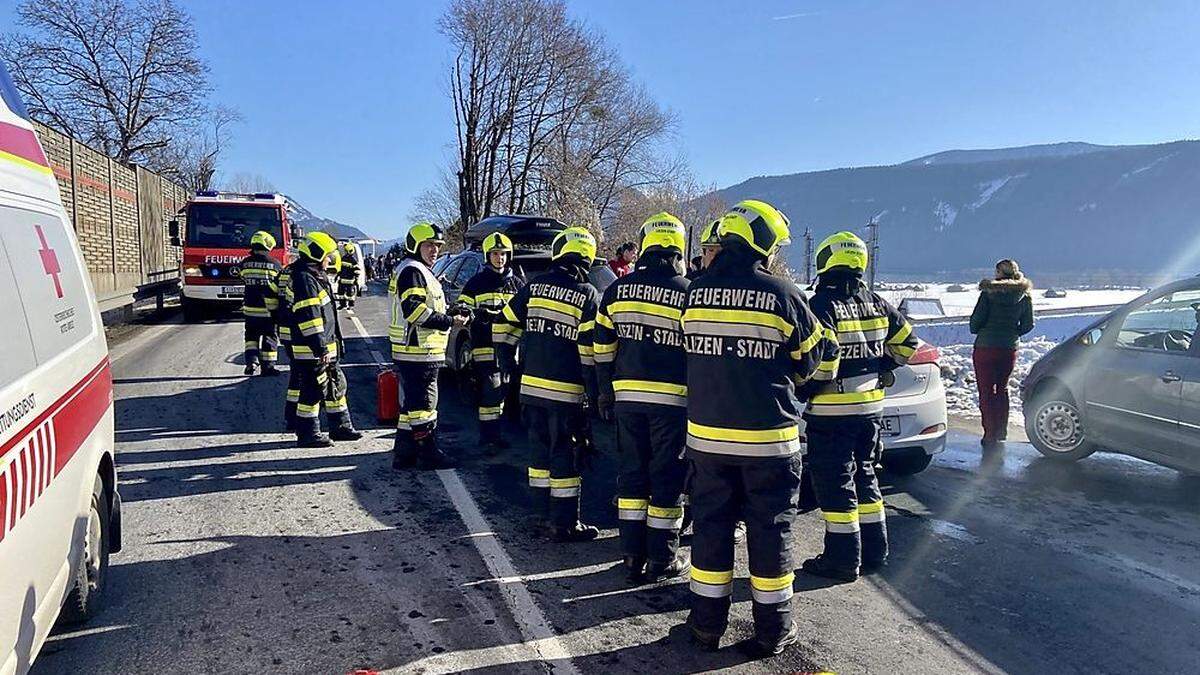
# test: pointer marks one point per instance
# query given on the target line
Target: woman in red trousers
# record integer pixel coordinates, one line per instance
(1003, 313)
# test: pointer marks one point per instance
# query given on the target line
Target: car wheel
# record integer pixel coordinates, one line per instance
(907, 463)
(91, 570)
(1056, 429)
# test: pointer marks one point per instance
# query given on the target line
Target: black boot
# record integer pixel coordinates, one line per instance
(707, 642)
(777, 647)
(249, 369)
(658, 571)
(429, 455)
(574, 534)
(635, 567)
(308, 434)
(822, 567)
(269, 370)
(872, 566)
(404, 453)
(345, 433)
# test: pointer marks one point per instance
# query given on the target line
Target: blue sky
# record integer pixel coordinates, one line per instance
(346, 109)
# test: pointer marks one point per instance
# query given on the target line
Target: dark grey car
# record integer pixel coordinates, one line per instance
(1129, 383)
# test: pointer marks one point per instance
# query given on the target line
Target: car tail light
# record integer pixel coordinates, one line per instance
(933, 428)
(926, 353)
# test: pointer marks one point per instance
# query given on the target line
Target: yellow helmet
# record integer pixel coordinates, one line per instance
(421, 233)
(262, 240)
(663, 230)
(317, 245)
(348, 246)
(575, 240)
(843, 249)
(709, 236)
(497, 241)
(334, 264)
(761, 226)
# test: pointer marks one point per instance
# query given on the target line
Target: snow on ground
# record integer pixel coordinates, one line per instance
(958, 375)
(961, 302)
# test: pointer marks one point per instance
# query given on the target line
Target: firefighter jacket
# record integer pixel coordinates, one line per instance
(314, 323)
(750, 340)
(420, 327)
(260, 274)
(552, 319)
(639, 338)
(348, 272)
(486, 294)
(873, 337)
(283, 315)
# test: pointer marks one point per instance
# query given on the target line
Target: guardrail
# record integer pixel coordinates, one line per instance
(162, 285)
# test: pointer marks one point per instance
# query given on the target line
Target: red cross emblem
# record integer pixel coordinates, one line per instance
(49, 261)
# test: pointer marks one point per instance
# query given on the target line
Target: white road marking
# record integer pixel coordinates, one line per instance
(541, 643)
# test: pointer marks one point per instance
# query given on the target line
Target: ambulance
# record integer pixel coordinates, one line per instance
(60, 514)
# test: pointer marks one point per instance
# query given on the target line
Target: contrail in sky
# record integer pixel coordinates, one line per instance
(801, 15)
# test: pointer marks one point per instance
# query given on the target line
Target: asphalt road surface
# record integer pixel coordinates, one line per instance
(244, 554)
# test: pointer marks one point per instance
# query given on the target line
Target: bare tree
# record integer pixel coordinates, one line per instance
(123, 75)
(547, 118)
(439, 204)
(682, 196)
(248, 183)
(192, 158)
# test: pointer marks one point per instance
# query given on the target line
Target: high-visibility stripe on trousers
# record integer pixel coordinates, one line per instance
(553, 433)
(650, 478)
(262, 341)
(841, 456)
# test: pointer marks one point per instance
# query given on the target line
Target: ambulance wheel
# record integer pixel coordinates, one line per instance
(91, 569)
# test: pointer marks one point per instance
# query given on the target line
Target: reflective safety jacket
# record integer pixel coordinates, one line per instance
(486, 294)
(552, 319)
(349, 270)
(260, 274)
(639, 337)
(420, 327)
(873, 337)
(750, 340)
(283, 315)
(314, 323)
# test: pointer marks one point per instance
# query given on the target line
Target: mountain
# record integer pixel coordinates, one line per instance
(1070, 207)
(310, 222)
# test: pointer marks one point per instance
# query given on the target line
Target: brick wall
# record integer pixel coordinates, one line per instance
(120, 214)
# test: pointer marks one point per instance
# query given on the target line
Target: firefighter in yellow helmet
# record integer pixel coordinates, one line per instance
(486, 294)
(710, 246)
(750, 339)
(845, 405)
(347, 277)
(317, 347)
(641, 370)
(260, 301)
(419, 330)
(553, 319)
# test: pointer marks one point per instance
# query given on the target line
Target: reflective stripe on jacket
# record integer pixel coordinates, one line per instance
(419, 328)
(487, 293)
(260, 274)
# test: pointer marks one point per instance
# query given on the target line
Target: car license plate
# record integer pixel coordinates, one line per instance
(231, 290)
(890, 426)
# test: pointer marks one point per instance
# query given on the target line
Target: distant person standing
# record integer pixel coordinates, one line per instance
(1003, 313)
(627, 255)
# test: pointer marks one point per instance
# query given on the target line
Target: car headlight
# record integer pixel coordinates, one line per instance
(192, 271)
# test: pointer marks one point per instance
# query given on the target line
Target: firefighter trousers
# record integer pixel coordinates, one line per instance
(651, 442)
(347, 291)
(841, 459)
(417, 422)
(763, 491)
(262, 340)
(554, 478)
(293, 388)
(320, 386)
(491, 399)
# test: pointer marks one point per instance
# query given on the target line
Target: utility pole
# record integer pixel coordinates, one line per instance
(873, 247)
(808, 255)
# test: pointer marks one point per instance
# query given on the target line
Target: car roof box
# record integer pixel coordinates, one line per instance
(530, 234)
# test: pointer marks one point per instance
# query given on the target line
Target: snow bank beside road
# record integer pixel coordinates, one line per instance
(958, 375)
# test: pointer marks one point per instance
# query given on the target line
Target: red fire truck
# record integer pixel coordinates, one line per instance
(216, 236)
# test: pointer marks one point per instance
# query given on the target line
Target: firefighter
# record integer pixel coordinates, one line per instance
(553, 318)
(260, 273)
(842, 420)
(333, 267)
(710, 246)
(641, 371)
(283, 319)
(750, 338)
(347, 287)
(419, 331)
(486, 294)
(316, 347)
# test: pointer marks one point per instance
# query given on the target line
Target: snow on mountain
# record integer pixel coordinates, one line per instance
(1001, 154)
(311, 222)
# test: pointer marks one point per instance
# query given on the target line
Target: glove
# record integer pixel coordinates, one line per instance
(604, 407)
(496, 380)
(887, 378)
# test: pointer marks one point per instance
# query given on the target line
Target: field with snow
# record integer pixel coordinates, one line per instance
(960, 302)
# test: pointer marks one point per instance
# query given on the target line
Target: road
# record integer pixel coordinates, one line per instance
(244, 554)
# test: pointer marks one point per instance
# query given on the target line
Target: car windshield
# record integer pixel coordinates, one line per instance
(215, 225)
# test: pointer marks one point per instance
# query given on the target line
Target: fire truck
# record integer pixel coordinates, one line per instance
(215, 236)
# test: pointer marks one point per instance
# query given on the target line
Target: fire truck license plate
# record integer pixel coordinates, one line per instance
(231, 290)
(890, 426)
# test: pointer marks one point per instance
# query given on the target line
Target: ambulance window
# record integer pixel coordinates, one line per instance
(49, 279)
(18, 357)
